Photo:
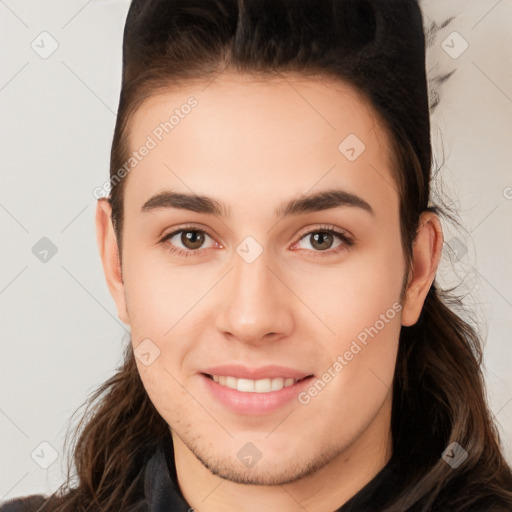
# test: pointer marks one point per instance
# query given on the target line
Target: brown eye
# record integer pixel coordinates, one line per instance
(321, 240)
(187, 241)
(192, 239)
(324, 240)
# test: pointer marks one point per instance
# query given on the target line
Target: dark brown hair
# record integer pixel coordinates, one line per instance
(378, 47)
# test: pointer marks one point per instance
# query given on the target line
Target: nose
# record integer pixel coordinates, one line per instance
(255, 306)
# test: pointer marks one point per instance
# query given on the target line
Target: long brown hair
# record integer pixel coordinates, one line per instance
(378, 47)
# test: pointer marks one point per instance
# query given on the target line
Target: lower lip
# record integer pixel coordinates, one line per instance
(254, 403)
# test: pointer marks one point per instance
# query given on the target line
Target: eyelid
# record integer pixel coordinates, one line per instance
(185, 227)
(347, 238)
(188, 252)
(325, 227)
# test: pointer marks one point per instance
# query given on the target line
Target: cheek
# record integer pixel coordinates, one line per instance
(360, 304)
(160, 295)
(359, 366)
(353, 295)
(161, 382)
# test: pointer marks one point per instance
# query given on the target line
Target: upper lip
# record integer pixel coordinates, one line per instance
(263, 372)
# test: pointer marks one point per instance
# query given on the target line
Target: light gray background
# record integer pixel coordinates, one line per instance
(60, 333)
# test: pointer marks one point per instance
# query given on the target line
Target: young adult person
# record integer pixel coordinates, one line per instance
(269, 240)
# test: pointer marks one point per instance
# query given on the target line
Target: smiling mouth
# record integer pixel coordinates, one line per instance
(266, 385)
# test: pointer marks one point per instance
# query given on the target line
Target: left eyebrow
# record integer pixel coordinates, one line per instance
(323, 200)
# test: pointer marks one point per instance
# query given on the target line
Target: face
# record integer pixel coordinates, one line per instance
(257, 282)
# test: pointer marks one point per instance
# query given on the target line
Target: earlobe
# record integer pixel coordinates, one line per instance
(109, 253)
(426, 255)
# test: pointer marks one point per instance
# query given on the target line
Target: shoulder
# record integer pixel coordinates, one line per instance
(485, 503)
(31, 503)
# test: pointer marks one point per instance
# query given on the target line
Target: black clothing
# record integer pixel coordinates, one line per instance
(162, 493)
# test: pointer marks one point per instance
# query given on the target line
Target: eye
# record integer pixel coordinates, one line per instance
(187, 241)
(325, 239)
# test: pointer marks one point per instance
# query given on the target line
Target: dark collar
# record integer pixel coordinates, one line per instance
(161, 488)
(162, 492)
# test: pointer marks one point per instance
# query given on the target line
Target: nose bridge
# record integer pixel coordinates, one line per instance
(256, 303)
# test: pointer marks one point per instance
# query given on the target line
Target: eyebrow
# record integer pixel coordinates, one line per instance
(319, 201)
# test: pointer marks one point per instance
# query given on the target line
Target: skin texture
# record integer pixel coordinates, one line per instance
(254, 145)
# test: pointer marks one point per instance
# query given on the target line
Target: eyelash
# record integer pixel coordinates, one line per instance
(346, 241)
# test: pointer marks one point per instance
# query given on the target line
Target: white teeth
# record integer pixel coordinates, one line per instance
(245, 385)
(251, 386)
(277, 384)
(262, 385)
(230, 382)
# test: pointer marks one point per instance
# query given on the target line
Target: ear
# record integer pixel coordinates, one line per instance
(426, 255)
(109, 253)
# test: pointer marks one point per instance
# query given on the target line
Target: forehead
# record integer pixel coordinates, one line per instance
(251, 137)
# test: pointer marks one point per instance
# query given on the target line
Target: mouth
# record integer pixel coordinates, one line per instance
(265, 385)
(271, 387)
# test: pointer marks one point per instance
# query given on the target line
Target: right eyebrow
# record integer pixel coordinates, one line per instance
(192, 202)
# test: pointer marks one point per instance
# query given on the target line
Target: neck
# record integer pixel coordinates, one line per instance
(323, 491)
